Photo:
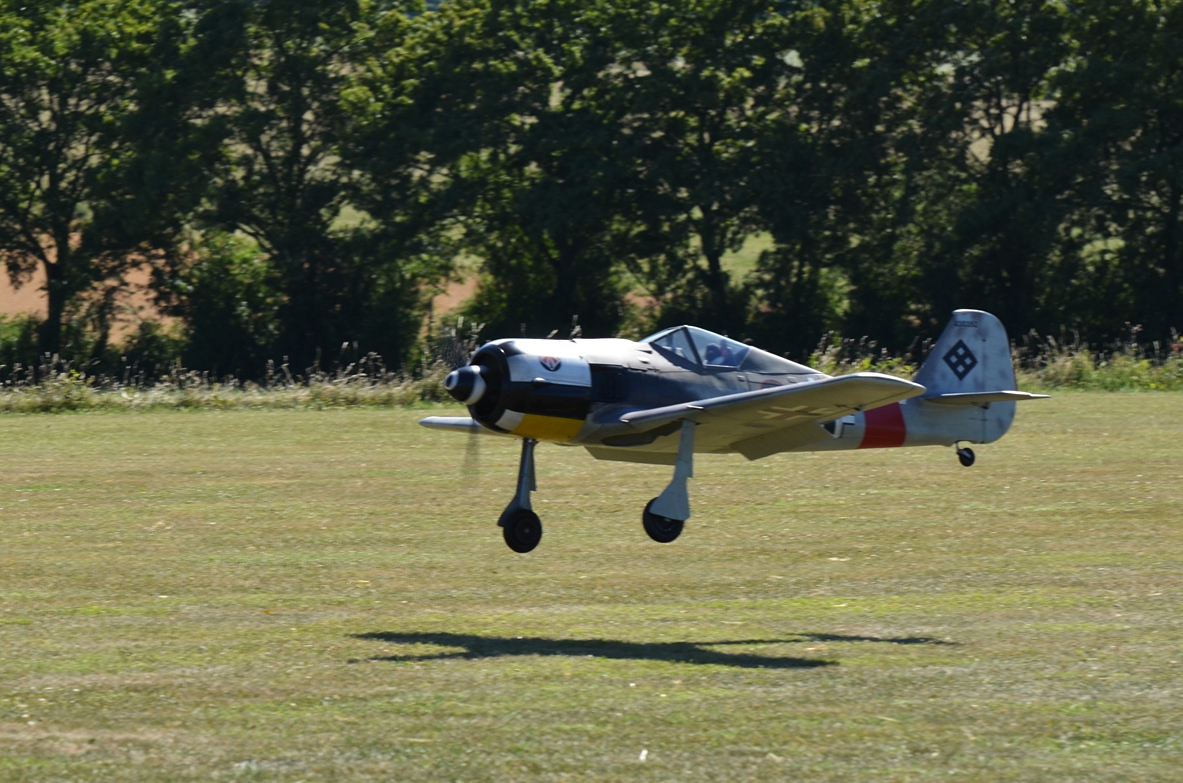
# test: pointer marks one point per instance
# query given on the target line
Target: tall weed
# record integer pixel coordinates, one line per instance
(1045, 363)
(55, 385)
(1040, 362)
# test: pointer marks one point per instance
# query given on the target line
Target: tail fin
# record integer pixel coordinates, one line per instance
(972, 355)
(970, 384)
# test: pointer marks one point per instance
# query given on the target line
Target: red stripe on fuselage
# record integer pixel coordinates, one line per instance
(885, 428)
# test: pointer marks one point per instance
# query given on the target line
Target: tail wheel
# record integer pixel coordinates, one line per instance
(661, 529)
(522, 530)
(966, 457)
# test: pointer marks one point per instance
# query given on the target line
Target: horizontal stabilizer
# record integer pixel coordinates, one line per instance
(982, 398)
(455, 424)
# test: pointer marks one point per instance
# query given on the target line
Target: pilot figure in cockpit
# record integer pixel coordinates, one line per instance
(718, 354)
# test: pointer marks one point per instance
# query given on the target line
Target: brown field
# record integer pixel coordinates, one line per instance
(29, 299)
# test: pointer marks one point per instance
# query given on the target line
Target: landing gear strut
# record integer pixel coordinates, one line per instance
(965, 456)
(520, 526)
(666, 514)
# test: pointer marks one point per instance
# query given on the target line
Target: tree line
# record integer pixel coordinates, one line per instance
(302, 175)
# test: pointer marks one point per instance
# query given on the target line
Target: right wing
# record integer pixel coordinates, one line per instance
(456, 424)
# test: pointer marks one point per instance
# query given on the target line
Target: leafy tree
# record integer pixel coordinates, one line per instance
(414, 108)
(611, 135)
(18, 344)
(331, 158)
(286, 181)
(485, 124)
(546, 216)
(79, 162)
(827, 172)
(1001, 56)
(223, 295)
(547, 253)
(914, 162)
(1119, 116)
(696, 84)
(148, 353)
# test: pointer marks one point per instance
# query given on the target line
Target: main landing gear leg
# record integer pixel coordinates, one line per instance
(667, 513)
(519, 524)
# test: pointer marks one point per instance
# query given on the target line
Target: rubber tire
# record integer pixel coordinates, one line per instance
(966, 457)
(522, 530)
(661, 529)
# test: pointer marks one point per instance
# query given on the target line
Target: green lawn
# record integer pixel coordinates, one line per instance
(287, 595)
(742, 263)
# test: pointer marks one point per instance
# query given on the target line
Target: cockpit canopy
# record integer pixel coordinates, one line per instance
(700, 347)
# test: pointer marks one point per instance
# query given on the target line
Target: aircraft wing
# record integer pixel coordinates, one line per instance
(456, 424)
(982, 398)
(731, 421)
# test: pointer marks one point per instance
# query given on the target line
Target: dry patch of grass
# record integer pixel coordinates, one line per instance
(324, 595)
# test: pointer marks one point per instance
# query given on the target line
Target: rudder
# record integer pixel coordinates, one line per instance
(972, 357)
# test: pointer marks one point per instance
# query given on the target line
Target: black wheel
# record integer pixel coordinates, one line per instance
(522, 529)
(966, 456)
(661, 529)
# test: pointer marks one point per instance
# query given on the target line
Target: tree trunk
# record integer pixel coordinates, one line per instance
(56, 294)
(716, 280)
(1171, 264)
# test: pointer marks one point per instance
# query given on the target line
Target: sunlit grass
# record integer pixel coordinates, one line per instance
(742, 263)
(303, 595)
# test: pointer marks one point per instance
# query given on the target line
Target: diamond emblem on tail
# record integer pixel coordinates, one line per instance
(961, 360)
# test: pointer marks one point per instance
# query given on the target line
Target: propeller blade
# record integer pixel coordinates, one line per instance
(472, 456)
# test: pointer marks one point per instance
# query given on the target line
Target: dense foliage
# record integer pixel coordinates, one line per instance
(300, 176)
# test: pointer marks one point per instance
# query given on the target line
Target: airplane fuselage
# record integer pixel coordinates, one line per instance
(686, 391)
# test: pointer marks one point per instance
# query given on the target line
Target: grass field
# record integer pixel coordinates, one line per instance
(319, 596)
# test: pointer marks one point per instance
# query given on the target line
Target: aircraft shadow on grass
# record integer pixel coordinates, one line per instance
(475, 647)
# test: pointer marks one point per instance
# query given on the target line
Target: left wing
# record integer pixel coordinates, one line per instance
(731, 419)
(982, 398)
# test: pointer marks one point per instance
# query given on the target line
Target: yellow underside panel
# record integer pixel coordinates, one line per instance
(548, 428)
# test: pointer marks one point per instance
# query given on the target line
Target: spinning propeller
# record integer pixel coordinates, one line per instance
(462, 383)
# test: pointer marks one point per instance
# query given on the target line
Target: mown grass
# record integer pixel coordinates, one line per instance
(324, 595)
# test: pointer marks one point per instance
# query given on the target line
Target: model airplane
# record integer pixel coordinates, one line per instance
(686, 390)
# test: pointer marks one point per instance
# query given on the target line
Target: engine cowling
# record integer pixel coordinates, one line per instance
(531, 388)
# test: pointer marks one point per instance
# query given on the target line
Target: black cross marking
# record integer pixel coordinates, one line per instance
(961, 360)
